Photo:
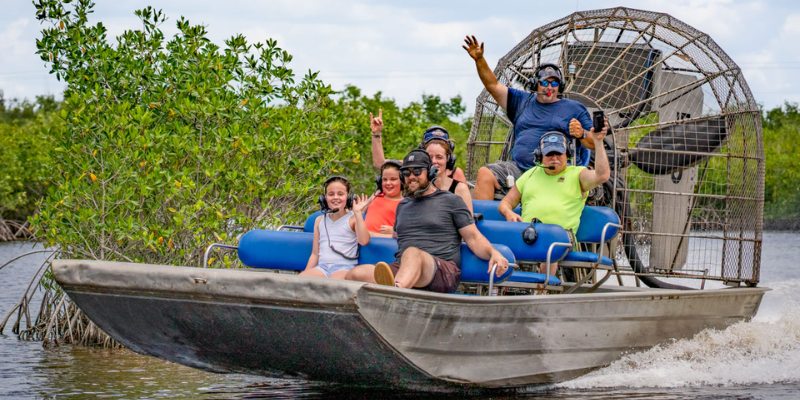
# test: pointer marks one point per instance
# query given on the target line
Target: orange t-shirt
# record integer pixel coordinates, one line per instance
(382, 211)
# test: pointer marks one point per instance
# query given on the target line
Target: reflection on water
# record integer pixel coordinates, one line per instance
(755, 360)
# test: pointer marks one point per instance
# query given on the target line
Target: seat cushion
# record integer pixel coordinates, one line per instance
(285, 250)
(378, 249)
(510, 234)
(488, 209)
(533, 277)
(593, 219)
(474, 269)
(586, 257)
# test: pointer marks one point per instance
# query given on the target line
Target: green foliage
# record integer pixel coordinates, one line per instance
(782, 150)
(171, 144)
(25, 163)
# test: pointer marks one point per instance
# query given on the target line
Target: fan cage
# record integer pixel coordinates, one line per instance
(686, 152)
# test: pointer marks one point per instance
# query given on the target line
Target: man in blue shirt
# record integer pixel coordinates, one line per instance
(532, 114)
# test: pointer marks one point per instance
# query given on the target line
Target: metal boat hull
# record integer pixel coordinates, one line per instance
(265, 323)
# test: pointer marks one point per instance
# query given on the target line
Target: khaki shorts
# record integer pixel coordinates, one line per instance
(502, 170)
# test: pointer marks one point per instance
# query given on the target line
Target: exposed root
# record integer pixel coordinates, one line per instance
(59, 320)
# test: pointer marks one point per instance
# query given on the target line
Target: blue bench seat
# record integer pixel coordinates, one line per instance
(533, 277)
(289, 251)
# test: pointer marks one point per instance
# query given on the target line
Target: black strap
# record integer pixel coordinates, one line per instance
(453, 186)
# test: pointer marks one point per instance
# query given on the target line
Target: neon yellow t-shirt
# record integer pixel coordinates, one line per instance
(553, 199)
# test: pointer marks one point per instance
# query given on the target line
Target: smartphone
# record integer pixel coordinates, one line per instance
(598, 120)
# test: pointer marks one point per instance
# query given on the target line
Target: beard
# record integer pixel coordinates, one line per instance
(408, 192)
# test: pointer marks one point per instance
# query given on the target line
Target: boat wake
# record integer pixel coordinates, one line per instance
(765, 350)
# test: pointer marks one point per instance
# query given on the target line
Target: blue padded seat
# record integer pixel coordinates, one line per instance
(474, 269)
(533, 277)
(378, 249)
(587, 257)
(510, 234)
(488, 208)
(593, 219)
(289, 250)
(309, 225)
(286, 250)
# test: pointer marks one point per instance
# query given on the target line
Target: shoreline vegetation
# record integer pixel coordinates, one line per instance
(162, 145)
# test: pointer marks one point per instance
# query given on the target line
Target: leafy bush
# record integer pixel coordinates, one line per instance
(782, 150)
(25, 163)
(170, 145)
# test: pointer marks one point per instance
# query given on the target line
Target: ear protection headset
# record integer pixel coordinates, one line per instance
(533, 82)
(437, 132)
(379, 178)
(432, 170)
(529, 235)
(323, 203)
(568, 144)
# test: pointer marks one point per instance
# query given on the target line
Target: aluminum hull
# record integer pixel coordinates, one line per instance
(258, 322)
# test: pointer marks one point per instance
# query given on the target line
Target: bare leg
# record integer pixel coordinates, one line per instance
(553, 268)
(315, 272)
(363, 273)
(485, 185)
(416, 268)
(341, 274)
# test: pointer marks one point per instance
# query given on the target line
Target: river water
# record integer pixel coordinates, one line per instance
(759, 359)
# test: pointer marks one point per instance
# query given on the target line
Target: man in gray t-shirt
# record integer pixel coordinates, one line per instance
(430, 225)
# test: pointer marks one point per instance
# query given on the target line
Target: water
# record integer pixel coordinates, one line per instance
(759, 359)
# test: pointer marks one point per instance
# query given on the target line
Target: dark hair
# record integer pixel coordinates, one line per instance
(390, 164)
(336, 178)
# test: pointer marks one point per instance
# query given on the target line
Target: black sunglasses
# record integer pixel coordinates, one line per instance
(417, 171)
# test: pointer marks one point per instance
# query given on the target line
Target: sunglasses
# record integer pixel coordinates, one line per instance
(546, 83)
(417, 171)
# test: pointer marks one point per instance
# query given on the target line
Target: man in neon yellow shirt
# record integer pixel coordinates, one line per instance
(553, 191)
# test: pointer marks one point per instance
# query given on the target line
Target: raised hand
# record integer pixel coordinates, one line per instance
(376, 124)
(592, 135)
(360, 203)
(472, 47)
(575, 129)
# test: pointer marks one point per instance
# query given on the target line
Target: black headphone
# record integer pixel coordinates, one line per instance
(432, 170)
(451, 159)
(379, 178)
(529, 235)
(568, 144)
(533, 82)
(323, 203)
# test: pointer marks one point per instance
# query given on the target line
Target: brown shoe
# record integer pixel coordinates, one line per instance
(383, 275)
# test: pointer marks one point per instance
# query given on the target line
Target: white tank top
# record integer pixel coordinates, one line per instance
(338, 235)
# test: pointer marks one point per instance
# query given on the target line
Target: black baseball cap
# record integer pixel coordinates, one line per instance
(416, 158)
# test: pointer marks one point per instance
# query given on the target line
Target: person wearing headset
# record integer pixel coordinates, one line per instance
(566, 186)
(430, 226)
(532, 114)
(381, 211)
(338, 231)
(376, 126)
(436, 141)
(438, 146)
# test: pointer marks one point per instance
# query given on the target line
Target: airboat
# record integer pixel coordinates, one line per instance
(683, 209)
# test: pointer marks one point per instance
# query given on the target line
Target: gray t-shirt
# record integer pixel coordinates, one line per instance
(431, 223)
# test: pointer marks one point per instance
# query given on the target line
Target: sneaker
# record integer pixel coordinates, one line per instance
(383, 275)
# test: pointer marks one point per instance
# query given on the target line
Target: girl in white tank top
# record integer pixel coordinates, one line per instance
(338, 231)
